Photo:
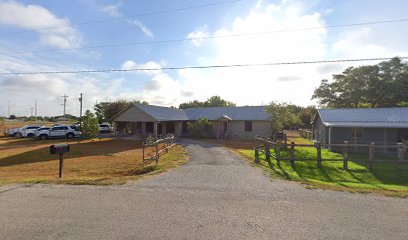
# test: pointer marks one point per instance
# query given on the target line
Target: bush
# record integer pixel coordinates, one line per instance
(200, 129)
(90, 125)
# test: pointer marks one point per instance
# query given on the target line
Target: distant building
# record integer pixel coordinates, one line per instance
(361, 125)
(228, 122)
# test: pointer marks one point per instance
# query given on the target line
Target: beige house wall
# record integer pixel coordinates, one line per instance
(134, 113)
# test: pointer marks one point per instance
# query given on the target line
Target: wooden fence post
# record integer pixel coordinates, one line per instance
(268, 152)
(345, 155)
(371, 156)
(319, 154)
(157, 152)
(257, 154)
(292, 154)
(277, 154)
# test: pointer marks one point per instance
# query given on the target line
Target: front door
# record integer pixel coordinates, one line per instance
(225, 127)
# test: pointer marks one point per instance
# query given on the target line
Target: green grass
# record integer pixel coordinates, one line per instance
(385, 178)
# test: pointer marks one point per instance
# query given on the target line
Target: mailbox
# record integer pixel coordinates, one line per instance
(59, 148)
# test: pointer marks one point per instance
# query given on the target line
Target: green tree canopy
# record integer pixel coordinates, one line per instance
(105, 111)
(283, 116)
(381, 85)
(214, 101)
(90, 125)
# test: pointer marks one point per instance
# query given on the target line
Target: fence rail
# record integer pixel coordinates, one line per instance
(154, 147)
(306, 133)
(267, 145)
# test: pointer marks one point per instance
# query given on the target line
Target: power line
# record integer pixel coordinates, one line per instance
(126, 17)
(200, 67)
(213, 37)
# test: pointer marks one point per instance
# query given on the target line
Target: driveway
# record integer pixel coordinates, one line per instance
(216, 195)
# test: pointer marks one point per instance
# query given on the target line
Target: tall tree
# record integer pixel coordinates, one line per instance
(381, 85)
(90, 125)
(282, 116)
(214, 101)
(105, 111)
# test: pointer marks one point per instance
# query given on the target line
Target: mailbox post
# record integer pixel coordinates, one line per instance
(60, 149)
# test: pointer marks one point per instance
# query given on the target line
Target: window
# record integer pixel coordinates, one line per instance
(248, 126)
(149, 127)
(139, 125)
(185, 127)
(357, 132)
(170, 127)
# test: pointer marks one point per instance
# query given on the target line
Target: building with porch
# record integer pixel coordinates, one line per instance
(228, 122)
(382, 126)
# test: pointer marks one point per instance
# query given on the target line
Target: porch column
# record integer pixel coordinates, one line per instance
(155, 129)
(143, 127)
(330, 137)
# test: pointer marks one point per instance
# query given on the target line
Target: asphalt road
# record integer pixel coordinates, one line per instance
(216, 195)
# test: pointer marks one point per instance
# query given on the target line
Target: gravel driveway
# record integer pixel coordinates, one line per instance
(216, 195)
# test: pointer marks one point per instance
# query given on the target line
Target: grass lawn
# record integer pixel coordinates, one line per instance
(386, 178)
(98, 162)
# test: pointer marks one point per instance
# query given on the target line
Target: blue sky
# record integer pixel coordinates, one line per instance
(28, 26)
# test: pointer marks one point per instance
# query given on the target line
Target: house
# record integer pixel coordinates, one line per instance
(228, 122)
(361, 125)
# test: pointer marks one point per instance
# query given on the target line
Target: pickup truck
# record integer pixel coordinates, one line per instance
(56, 132)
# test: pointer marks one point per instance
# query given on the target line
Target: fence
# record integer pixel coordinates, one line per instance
(152, 151)
(305, 133)
(278, 148)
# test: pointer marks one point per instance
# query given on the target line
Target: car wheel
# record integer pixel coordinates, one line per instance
(70, 135)
(43, 137)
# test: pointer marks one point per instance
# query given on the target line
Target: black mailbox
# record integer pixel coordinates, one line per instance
(59, 148)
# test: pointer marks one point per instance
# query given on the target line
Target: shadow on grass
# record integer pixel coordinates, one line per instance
(96, 148)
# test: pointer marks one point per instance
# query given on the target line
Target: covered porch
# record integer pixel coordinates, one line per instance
(156, 129)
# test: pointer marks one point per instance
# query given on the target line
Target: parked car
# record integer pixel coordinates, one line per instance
(29, 131)
(57, 132)
(12, 132)
(105, 128)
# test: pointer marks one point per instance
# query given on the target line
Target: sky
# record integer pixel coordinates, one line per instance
(75, 35)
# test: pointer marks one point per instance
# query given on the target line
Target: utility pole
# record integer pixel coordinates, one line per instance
(36, 107)
(65, 102)
(80, 112)
(31, 109)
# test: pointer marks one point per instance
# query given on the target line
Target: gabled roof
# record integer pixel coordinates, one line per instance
(365, 117)
(254, 113)
(163, 113)
(250, 113)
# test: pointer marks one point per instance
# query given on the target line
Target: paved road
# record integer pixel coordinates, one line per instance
(216, 195)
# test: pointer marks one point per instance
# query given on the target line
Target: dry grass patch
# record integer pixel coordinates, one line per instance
(106, 161)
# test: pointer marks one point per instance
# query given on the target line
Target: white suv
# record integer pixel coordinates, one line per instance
(56, 132)
(105, 128)
(29, 131)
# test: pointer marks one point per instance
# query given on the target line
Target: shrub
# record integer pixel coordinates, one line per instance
(90, 125)
(200, 129)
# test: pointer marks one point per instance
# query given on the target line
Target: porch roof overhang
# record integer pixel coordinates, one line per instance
(224, 117)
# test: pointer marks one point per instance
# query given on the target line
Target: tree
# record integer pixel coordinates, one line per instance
(200, 129)
(306, 116)
(90, 125)
(12, 117)
(282, 116)
(105, 111)
(381, 85)
(214, 101)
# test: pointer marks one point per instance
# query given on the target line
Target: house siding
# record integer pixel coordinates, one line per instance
(133, 114)
(260, 128)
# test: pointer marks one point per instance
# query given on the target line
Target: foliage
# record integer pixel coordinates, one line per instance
(200, 129)
(214, 101)
(105, 111)
(283, 116)
(12, 117)
(90, 125)
(149, 141)
(381, 85)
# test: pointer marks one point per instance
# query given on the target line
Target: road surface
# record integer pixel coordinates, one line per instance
(216, 195)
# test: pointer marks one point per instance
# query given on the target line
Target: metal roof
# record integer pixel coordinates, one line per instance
(365, 117)
(250, 113)
(163, 113)
(254, 113)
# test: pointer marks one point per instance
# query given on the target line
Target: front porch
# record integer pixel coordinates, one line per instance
(156, 129)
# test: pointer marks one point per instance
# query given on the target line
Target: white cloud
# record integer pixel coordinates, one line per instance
(151, 67)
(197, 36)
(114, 11)
(35, 17)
